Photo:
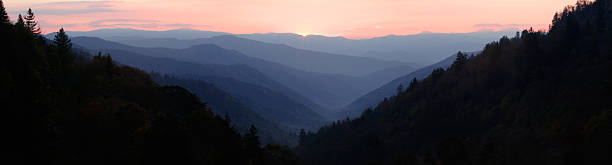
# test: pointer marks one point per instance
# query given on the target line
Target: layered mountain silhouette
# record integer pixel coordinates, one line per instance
(421, 49)
(126, 96)
(374, 97)
(306, 60)
(417, 50)
(239, 80)
(223, 103)
(534, 98)
(66, 106)
(330, 91)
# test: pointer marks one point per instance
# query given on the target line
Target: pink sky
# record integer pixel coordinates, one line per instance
(349, 18)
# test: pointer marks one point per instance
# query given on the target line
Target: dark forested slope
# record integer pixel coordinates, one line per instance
(355, 108)
(536, 98)
(62, 109)
(222, 103)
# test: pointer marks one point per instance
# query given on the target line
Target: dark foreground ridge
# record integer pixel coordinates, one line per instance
(63, 106)
(535, 98)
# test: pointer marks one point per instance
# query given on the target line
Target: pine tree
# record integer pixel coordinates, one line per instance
(63, 46)
(459, 62)
(252, 140)
(4, 18)
(62, 41)
(252, 146)
(302, 136)
(20, 22)
(413, 84)
(31, 23)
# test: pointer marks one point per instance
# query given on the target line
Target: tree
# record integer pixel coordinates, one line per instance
(31, 23)
(460, 60)
(400, 89)
(413, 84)
(20, 22)
(302, 136)
(252, 146)
(4, 18)
(63, 45)
(437, 73)
(63, 42)
(251, 137)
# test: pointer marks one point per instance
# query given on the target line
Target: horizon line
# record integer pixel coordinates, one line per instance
(304, 36)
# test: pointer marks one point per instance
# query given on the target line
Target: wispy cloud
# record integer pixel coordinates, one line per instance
(137, 23)
(73, 7)
(44, 23)
(120, 22)
(498, 26)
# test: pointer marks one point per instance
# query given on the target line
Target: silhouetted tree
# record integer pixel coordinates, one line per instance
(460, 60)
(400, 89)
(31, 23)
(413, 84)
(302, 135)
(436, 73)
(62, 42)
(251, 137)
(252, 146)
(63, 46)
(4, 18)
(20, 23)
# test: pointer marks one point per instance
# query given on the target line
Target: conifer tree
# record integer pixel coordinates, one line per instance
(63, 45)
(413, 84)
(20, 22)
(400, 89)
(460, 60)
(252, 145)
(302, 136)
(251, 138)
(62, 41)
(4, 19)
(31, 23)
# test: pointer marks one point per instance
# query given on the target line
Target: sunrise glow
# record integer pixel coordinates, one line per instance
(360, 19)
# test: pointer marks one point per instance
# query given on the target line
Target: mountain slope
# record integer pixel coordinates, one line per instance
(372, 98)
(538, 98)
(64, 109)
(206, 55)
(422, 49)
(417, 50)
(306, 60)
(223, 103)
(327, 91)
(238, 80)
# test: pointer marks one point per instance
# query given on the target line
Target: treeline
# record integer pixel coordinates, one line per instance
(66, 107)
(534, 98)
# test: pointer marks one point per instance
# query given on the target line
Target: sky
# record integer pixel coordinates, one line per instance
(348, 18)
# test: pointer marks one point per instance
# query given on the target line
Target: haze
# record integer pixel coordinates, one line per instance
(348, 18)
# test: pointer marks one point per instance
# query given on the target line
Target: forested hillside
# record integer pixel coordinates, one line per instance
(63, 108)
(241, 116)
(534, 98)
(355, 108)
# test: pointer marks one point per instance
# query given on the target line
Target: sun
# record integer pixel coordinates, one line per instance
(303, 34)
